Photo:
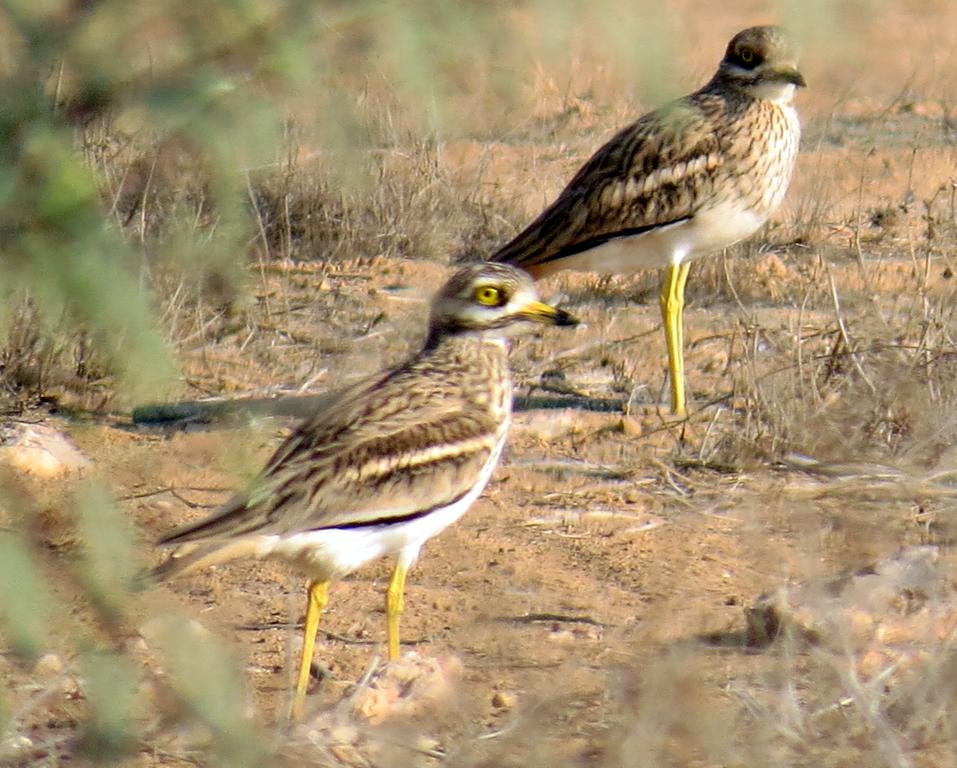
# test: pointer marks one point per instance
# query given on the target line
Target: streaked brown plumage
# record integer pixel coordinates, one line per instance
(695, 176)
(390, 463)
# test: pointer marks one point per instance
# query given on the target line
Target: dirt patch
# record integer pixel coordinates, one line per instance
(618, 555)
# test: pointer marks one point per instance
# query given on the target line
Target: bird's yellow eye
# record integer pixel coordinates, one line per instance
(746, 56)
(488, 295)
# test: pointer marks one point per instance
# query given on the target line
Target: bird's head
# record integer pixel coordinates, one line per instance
(763, 61)
(490, 298)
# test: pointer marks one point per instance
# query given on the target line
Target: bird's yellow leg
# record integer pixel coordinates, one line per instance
(394, 602)
(672, 300)
(315, 605)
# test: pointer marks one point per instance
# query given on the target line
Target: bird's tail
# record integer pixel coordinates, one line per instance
(191, 557)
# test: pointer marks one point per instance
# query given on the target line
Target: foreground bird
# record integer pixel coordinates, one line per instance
(389, 464)
(693, 177)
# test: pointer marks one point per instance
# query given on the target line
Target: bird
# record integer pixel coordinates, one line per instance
(386, 466)
(694, 176)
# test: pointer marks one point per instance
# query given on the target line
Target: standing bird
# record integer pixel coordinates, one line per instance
(390, 463)
(692, 177)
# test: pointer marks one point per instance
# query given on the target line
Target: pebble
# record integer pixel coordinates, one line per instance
(504, 700)
(347, 754)
(39, 450)
(15, 745)
(630, 426)
(47, 665)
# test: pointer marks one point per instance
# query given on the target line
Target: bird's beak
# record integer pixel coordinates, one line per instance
(792, 76)
(539, 312)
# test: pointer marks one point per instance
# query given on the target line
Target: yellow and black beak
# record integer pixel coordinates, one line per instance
(540, 312)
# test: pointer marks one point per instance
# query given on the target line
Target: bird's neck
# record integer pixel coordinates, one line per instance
(465, 338)
(780, 94)
(478, 362)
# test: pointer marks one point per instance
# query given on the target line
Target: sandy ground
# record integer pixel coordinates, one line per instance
(608, 564)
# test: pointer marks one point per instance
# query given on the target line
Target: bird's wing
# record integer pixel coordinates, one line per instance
(647, 176)
(391, 451)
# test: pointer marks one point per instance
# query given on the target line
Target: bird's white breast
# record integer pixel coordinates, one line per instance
(709, 230)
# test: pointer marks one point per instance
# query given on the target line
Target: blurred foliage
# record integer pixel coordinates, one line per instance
(86, 90)
(109, 731)
(116, 693)
(25, 603)
(108, 568)
(72, 68)
(213, 689)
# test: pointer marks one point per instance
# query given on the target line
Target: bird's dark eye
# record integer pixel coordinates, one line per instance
(489, 295)
(746, 56)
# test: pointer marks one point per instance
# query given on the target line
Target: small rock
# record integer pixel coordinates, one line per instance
(138, 645)
(15, 745)
(427, 744)
(39, 449)
(504, 700)
(347, 754)
(559, 634)
(408, 687)
(70, 688)
(945, 625)
(857, 624)
(871, 663)
(630, 426)
(898, 631)
(555, 381)
(343, 733)
(47, 665)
